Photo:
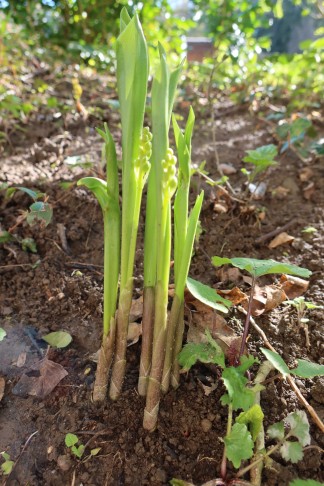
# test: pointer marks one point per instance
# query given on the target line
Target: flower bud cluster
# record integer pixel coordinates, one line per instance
(145, 151)
(169, 180)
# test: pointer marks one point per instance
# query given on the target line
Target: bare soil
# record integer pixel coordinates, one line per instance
(60, 288)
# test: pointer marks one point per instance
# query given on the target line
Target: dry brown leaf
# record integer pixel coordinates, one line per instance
(136, 311)
(265, 299)
(281, 239)
(235, 295)
(2, 387)
(208, 389)
(40, 380)
(275, 297)
(293, 286)
(21, 360)
(229, 274)
(305, 174)
(280, 192)
(134, 333)
(309, 191)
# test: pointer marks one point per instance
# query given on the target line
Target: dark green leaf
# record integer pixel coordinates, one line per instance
(277, 361)
(207, 295)
(239, 444)
(203, 352)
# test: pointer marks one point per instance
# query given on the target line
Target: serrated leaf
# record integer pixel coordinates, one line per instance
(40, 211)
(2, 334)
(239, 444)
(235, 382)
(276, 431)
(291, 451)
(307, 369)
(252, 418)
(266, 153)
(277, 361)
(258, 268)
(58, 339)
(299, 426)
(71, 440)
(203, 352)
(208, 295)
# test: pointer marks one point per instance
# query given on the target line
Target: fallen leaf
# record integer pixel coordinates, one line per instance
(275, 296)
(280, 192)
(58, 339)
(265, 299)
(305, 174)
(2, 387)
(227, 169)
(40, 380)
(309, 191)
(208, 389)
(21, 360)
(293, 286)
(281, 239)
(235, 295)
(136, 311)
(134, 333)
(229, 274)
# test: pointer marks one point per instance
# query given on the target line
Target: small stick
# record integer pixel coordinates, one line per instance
(289, 378)
(275, 232)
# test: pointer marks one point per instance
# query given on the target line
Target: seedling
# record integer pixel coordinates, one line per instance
(72, 441)
(292, 134)
(261, 159)
(258, 268)
(7, 465)
(302, 306)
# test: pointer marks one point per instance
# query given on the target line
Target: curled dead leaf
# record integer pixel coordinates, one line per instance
(265, 299)
(235, 295)
(229, 274)
(305, 174)
(281, 239)
(136, 311)
(134, 333)
(293, 286)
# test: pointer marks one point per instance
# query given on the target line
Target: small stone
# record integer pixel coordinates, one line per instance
(64, 462)
(206, 425)
(227, 169)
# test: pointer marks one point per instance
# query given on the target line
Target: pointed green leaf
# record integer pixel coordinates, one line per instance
(307, 369)
(239, 444)
(258, 268)
(291, 451)
(95, 451)
(208, 295)
(277, 361)
(299, 426)
(99, 189)
(58, 339)
(265, 153)
(124, 19)
(203, 352)
(71, 440)
(276, 431)
(30, 192)
(252, 418)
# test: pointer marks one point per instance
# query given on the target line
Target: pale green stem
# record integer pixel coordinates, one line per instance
(228, 431)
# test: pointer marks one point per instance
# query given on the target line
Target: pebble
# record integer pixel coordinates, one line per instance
(206, 425)
(64, 462)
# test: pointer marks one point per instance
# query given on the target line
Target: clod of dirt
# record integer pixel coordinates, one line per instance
(317, 391)
(206, 425)
(64, 462)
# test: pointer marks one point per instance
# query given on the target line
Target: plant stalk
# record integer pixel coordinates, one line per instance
(223, 470)
(247, 320)
(147, 339)
(174, 318)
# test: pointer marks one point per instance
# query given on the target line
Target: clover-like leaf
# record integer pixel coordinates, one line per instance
(253, 418)
(78, 451)
(58, 339)
(239, 444)
(291, 451)
(299, 426)
(71, 440)
(257, 268)
(208, 295)
(203, 352)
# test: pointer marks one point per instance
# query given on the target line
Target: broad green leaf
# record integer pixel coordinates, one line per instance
(239, 444)
(258, 268)
(291, 451)
(305, 482)
(252, 418)
(2, 334)
(71, 440)
(239, 395)
(6, 467)
(299, 426)
(203, 352)
(307, 369)
(5, 237)
(276, 431)
(6, 456)
(208, 295)
(266, 153)
(99, 189)
(58, 339)
(40, 211)
(277, 361)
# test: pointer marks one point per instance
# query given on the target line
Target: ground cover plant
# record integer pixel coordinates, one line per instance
(222, 419)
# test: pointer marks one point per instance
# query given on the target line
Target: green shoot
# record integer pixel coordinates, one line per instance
(132, 76)
(107, 194)
(301, 306)
(261, 158)
(257, 268)
(71, 441)
(7, 465)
